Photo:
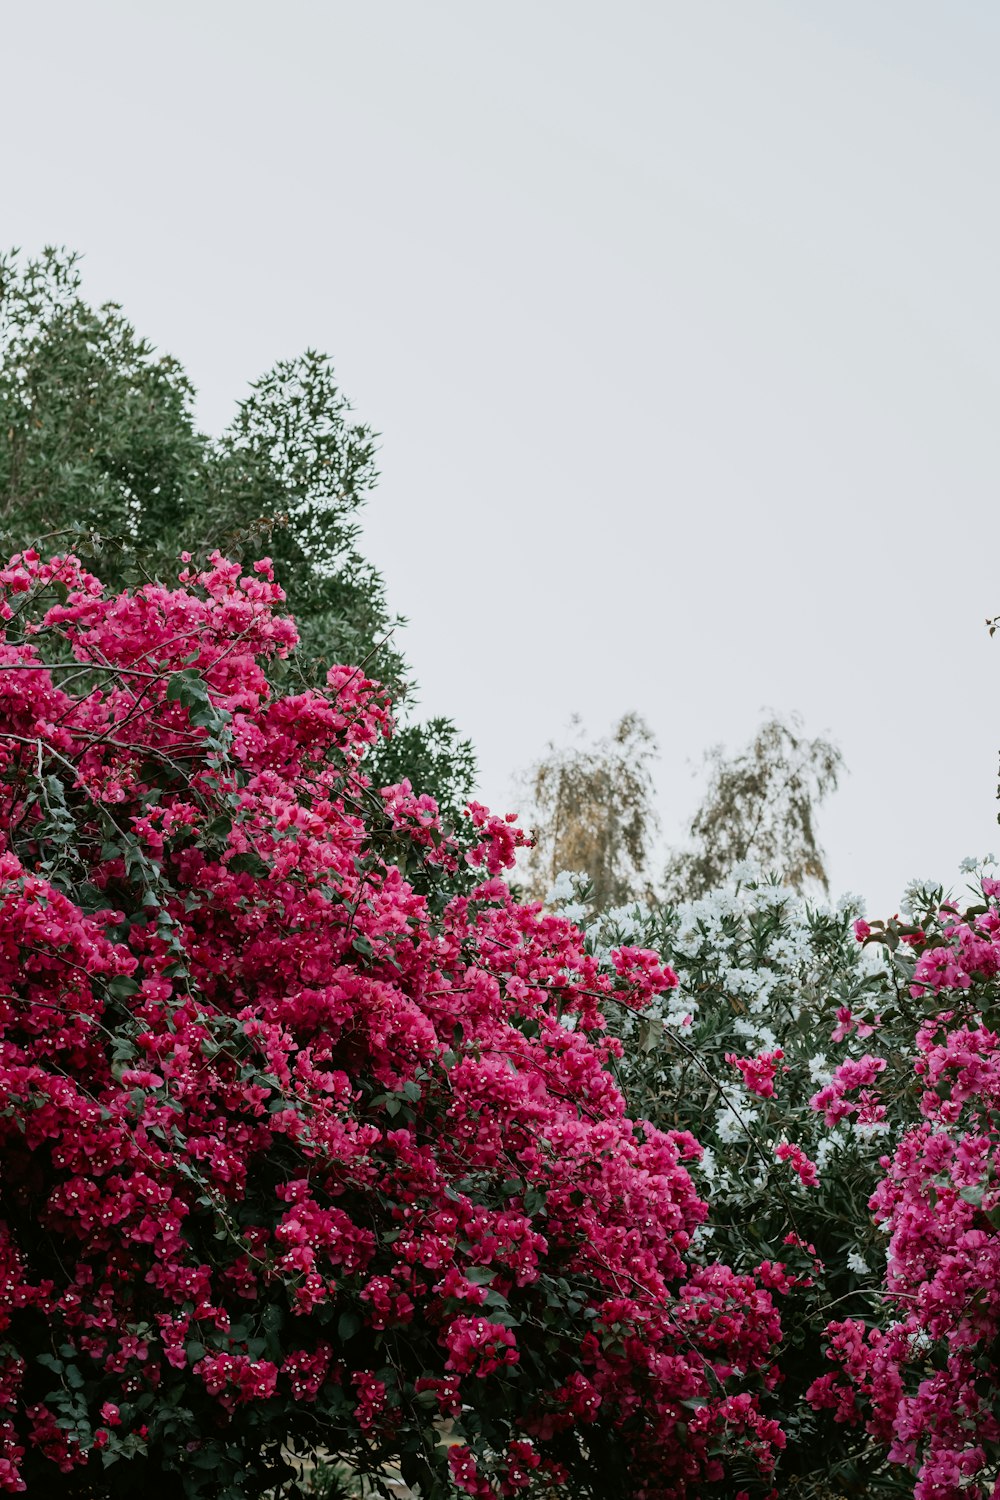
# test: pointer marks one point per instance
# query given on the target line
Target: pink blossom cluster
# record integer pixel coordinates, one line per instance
(758, 1072)
(971, 951)
(848, 1022)
(478, 1347)
(267, 1108)
(237, 1378)
(853, 1074)
(925, 1384)
(805, 1169)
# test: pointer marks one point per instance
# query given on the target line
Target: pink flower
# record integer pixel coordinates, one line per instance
(758, 1072)
(476, 1346)
(848, 1022)
(854, 1073)
(294, 1074)
(799, 1161)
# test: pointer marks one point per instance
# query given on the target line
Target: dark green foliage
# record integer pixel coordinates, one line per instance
(99, 451)
(433, 757)
(97, 432)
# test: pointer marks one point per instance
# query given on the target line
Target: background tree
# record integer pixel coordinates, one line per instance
(592, 812)
(98, 443)
(760, 804)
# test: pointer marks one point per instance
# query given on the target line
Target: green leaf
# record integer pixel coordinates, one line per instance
(347, 1325)
(122, 987)
(188, 688)
(273, 1318)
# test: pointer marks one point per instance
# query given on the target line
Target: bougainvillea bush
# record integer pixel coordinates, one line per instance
(844, 1078)
(923, 1380)
(310, 1135)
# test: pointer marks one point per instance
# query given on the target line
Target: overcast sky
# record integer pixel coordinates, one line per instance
(679, 323)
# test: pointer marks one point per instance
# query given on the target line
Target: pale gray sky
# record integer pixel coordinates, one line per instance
(679, 321)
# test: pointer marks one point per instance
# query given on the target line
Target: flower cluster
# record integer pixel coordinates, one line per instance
(923, 1382)
(299, 1148)
(892, 1131)
(758, 1072)
(737, 1053)
(799, 1162)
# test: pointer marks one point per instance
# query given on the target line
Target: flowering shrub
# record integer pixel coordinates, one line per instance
(924, 1382)
(737, 1054)
(310, 1133)
(857, 1125)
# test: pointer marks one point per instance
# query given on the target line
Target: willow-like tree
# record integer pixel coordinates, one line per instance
(759, 804)
(591, 811)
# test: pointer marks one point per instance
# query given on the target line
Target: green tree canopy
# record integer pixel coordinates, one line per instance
(99, 449)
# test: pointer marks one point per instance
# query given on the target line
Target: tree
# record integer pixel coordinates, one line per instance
(760, 805)
(98, 445)
(591, 811)
(296, 1155)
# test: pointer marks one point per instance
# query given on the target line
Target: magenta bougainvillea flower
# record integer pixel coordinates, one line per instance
(310, 1131)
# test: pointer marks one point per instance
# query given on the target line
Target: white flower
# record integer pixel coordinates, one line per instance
(871, 961)
(735, 1116)
(761, 1037)
(857, 1263)
(829, 1146)
(819, 1069)
(917, 894)
(708, 1167)
(573, 911)
(850, 904)
(681, 1011)
(867, 1129)
(563, 888)
(743, 981)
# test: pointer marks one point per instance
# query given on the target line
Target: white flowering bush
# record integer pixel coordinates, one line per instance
(775, 995)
